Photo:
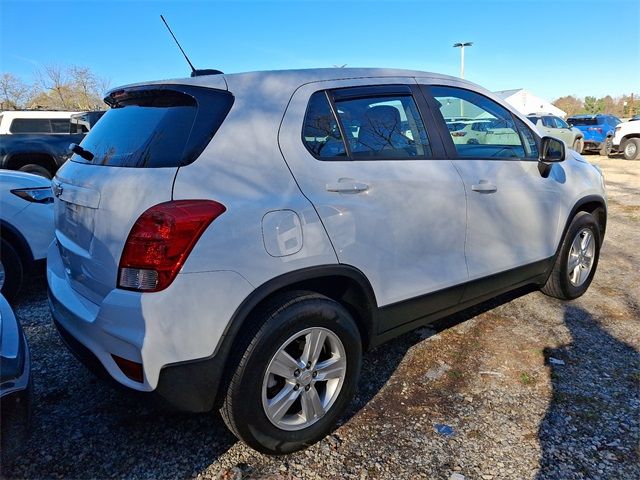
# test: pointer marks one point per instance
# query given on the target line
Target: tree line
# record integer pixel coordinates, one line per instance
(55, 87)
(623, 106)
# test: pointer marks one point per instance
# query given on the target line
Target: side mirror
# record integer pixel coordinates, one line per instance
(552, 150)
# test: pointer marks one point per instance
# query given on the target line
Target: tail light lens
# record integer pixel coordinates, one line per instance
(160, 241)
(131, 369)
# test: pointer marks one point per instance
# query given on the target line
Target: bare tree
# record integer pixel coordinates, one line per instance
(14, 93)
(69, 88)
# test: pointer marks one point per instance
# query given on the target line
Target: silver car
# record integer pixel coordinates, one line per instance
(558, 128)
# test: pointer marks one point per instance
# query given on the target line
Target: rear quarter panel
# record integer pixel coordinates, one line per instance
(243, 169)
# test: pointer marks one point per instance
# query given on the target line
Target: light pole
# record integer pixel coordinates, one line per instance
(461, 46)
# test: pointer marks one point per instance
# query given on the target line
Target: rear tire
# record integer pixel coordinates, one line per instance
(631, 149)
(570, 277)
(578, 145)
(36, 170)
(607, 147)
(289, 322)
(11, 271)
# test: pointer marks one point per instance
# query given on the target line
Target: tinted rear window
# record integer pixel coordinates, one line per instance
(153, 127)
(583, 121)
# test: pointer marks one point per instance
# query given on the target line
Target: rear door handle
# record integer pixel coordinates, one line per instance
(484, 187)
(347, 185)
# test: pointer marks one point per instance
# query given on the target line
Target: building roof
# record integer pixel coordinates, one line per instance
(508, 93)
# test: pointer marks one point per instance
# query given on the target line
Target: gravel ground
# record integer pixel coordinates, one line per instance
(530, 388)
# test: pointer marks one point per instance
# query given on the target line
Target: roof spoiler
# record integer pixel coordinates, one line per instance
(206, 71)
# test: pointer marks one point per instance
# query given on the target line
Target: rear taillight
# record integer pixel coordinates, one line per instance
(160, 241)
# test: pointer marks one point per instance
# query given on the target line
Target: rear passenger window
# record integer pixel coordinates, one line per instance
(30, 125)
(60, 125)
(499, 136)
(321, 134)
(383, 127)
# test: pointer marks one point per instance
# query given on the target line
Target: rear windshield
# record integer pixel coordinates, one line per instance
(153, 127)
(583, 121)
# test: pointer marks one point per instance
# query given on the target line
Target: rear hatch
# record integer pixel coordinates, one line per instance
(126, 164)
(589, 126)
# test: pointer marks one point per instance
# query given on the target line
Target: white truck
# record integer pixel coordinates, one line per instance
(626, 139)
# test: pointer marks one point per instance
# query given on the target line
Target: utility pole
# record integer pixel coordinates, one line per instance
(461, 47)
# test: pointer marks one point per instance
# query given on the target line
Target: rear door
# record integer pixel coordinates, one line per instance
(513, 206)
(130, 161)
(392, 205)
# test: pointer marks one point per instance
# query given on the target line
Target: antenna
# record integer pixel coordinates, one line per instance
(193, 69)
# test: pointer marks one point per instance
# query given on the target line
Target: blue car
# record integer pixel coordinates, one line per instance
(598, 131)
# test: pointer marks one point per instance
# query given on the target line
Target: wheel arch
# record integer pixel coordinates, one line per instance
(629, 136)
(593, 204)
(345, 284)
(18, 160)
(11, 235)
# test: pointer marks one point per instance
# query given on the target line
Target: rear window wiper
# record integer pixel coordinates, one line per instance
(86, 154)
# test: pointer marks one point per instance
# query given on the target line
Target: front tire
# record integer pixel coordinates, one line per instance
(297, 375)
(631, 149)
(577, 260)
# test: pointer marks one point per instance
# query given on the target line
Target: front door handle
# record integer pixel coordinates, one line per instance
(484, 187)
(347, 185)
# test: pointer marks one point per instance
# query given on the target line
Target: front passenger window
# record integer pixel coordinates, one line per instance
(490, 130)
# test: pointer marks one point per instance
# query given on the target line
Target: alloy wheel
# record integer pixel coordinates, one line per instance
(304, 378)
(581, 255)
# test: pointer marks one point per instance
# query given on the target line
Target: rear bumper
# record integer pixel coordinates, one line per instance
(593, 144)
(172, 333)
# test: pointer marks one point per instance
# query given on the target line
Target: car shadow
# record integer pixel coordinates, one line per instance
(591, 426)
(373, 378)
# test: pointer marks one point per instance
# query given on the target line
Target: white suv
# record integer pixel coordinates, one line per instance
(627, 139)
(237, 241)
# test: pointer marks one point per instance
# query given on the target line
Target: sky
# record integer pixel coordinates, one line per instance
(551, 47)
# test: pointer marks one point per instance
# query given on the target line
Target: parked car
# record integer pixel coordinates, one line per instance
(634, 118)
(597, 129)
(556, 127)
(254, 233)
(26, 227)
(38, 141)
(15, 384)
(626, 139)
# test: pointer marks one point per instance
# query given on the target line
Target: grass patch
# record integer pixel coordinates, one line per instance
(526, 379)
